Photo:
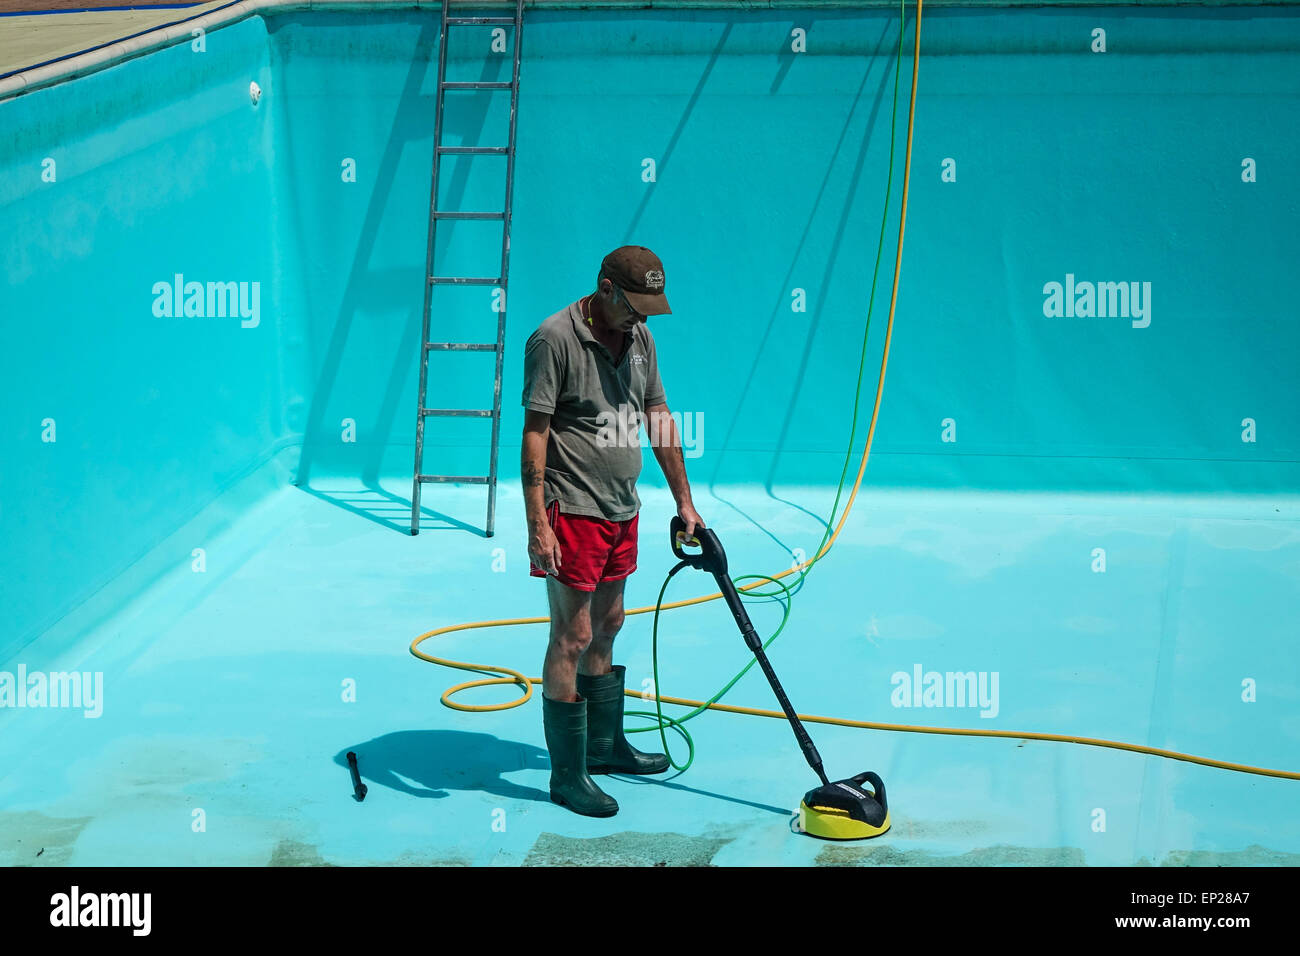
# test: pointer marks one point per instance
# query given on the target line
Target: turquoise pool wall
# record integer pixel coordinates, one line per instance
(1123, 167)
(160, 167)
(770, 166)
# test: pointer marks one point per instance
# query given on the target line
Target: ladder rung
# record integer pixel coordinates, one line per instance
(477, 85)
(460, 347)
(475, 150)
(460, 412)
(465, 280)
(468, 479)
(501, 20)
(469, 215)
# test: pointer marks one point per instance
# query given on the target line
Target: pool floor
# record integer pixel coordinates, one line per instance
(225, 711)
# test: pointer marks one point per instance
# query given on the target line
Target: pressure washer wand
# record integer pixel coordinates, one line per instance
(714, 560)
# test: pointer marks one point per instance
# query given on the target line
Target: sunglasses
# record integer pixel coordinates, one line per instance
(628, 305)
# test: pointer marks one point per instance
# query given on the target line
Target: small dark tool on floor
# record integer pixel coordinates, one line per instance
(359, 789)
(837, 810)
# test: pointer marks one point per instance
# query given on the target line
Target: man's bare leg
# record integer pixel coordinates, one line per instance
(606, 618)
(570, 637)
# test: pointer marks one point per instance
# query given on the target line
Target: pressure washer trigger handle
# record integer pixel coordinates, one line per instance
(677, 532)
(711, 557)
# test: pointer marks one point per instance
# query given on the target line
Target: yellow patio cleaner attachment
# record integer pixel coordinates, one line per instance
(843, 810)
(837, 810)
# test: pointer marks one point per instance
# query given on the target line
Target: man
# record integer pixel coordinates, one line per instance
(590, 374)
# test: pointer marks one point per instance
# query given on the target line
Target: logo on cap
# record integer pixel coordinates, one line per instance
(654, 279)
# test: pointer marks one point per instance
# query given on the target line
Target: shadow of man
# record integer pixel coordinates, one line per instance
(429, 763)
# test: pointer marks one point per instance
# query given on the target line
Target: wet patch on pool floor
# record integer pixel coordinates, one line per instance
(1000, 855)
(30, 838)
(1253, 855)
(411, 858)
(625, 849)
(296, 853)
(293, 853)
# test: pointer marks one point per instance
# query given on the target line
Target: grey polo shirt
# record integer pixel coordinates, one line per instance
(593, 456)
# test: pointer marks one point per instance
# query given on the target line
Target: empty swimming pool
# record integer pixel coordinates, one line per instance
(1078, 516)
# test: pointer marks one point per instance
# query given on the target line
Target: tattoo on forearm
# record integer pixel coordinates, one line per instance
(532, 477)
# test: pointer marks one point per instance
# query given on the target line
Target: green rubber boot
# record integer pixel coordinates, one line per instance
(566, 739)
(607, 748)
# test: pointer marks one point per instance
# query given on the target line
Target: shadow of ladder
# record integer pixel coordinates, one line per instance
(499, 281)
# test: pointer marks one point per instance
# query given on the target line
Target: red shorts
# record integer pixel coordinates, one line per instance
(592, 550)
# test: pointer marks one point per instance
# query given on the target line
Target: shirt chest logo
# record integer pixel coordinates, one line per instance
(638, 358)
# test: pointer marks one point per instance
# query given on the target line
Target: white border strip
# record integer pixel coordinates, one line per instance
(104, 57)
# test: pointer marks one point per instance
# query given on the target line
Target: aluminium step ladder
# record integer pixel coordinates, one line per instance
(500, 280)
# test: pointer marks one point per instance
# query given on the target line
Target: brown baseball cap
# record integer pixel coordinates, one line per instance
(639, 273)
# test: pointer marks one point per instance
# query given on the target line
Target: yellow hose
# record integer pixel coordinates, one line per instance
(526, 683)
